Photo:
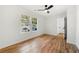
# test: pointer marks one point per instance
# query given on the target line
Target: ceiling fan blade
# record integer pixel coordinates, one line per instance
(41, 9)
(45, 8)
(49, 7)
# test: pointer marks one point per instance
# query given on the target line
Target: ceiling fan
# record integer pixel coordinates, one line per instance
(46, 8)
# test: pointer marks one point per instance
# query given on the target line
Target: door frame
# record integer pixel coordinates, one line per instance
(65, 28)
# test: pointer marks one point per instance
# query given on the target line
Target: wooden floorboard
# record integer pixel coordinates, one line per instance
(43, 43)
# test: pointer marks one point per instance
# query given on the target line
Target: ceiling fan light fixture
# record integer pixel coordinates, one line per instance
(48, 11)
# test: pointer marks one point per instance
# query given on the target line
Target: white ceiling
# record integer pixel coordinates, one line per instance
(55, 10)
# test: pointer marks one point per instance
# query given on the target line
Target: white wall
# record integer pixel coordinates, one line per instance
(77, 27)
(9, 25)
(71, 25)
(51, 25)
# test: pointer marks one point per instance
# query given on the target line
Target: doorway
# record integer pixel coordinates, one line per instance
(62, 26)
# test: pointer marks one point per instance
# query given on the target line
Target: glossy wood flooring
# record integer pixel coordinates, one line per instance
(43, 44)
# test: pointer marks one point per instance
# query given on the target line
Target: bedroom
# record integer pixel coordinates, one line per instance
(13, 18)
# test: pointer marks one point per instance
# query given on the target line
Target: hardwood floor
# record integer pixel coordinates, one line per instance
(44, 44)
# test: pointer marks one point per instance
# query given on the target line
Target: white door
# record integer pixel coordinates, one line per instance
(60, 25)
